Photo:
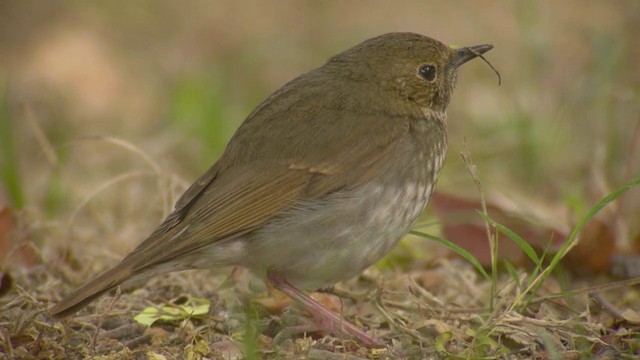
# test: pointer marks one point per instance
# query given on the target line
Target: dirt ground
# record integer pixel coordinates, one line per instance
(109, 111)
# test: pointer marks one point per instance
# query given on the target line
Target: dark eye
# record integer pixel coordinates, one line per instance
(428, 72)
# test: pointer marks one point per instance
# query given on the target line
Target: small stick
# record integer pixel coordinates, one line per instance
(488, 63)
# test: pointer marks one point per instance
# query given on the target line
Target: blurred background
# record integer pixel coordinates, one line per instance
(108, 110)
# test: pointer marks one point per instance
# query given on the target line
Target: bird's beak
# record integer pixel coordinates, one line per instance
(462, 55)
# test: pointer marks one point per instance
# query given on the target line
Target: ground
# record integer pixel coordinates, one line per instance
(108, 112)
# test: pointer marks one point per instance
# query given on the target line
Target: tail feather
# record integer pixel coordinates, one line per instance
(88, 292)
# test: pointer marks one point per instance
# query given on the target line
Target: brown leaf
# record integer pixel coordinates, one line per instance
(329, 301)
(274, 303)
(278, 301)
(464, 226)
(15, 245)
(595, 250)
(6, 282)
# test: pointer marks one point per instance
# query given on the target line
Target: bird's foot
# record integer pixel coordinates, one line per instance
(325, 319)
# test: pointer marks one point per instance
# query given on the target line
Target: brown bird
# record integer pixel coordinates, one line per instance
(319, 182)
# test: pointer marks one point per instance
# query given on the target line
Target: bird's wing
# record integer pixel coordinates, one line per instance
(244, 193)
(197, 186)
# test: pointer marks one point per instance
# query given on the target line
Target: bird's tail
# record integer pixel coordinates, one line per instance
(88, 292)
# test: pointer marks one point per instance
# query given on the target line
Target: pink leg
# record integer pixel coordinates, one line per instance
(327, 320)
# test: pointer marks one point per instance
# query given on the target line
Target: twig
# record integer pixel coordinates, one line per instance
(493, 241)
(607, 306)
(488, 63)
(39, 134)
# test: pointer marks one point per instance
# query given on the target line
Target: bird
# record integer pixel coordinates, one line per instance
(318, 183)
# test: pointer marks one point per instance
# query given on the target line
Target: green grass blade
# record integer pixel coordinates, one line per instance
(522, 243)
(457, 249)
(513, 272)
(571, 242)
(9, 166)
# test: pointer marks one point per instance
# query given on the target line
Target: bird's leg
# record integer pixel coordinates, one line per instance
(327, 320)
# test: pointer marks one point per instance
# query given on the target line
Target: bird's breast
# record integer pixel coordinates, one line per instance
(334, 237)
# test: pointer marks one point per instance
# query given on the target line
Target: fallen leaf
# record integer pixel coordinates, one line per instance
(152, 355)
(463, 226)
(275, 302)
(193, 308)
(595, 250)
(6, 282)
(15, 245)
(631, 316)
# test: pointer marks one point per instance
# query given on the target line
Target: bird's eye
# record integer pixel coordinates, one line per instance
(428, 72)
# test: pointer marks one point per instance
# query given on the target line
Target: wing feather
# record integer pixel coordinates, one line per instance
(258, 177)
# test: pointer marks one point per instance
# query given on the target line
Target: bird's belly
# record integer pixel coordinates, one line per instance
(324, 241)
